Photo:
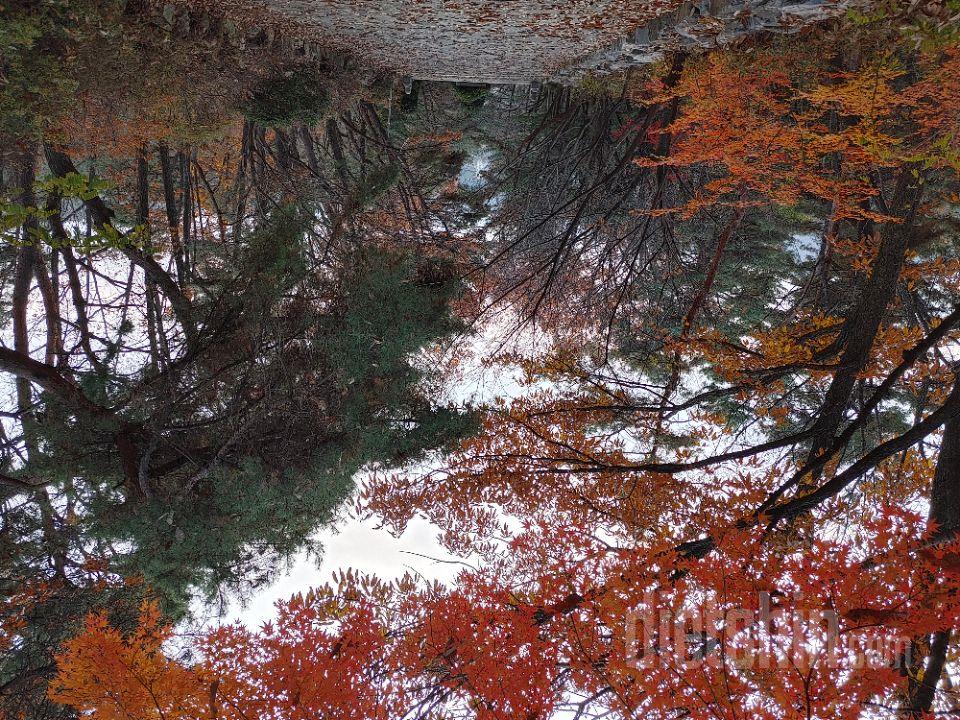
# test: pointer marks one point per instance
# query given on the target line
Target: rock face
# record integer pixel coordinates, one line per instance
(522, 41)
(703, 24)
(484, 41)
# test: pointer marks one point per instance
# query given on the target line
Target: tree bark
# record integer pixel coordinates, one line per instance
(170, 205)
(186, 202)
(23, 275)
(28, 370)
(860, 329)
(944, 520)
(336, 149)
(310, 149)
(22, 280)
(51, 307)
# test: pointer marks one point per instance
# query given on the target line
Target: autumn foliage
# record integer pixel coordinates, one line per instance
(777, 489)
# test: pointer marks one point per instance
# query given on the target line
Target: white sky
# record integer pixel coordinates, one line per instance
(360, 544)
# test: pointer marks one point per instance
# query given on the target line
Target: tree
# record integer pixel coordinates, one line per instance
(741, 501)
(229, 332)
(201, 467)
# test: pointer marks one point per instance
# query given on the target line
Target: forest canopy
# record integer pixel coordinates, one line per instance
(246, 274)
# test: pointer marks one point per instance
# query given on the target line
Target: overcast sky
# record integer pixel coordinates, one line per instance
(365, 547)
(361, 546)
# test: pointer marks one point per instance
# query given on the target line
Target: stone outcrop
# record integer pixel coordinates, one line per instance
(703, 24)
(504, 41)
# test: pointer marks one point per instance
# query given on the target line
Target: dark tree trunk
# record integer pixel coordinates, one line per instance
(860, 329)
(186, 201)
(51, 308)
(23, 276)
(282, 144)
(336, 149)
(310, 149)
(945, 524)
(170, 205)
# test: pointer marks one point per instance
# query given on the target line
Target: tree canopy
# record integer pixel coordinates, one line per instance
(727, 486)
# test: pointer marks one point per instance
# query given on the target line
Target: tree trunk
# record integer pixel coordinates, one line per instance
(944, 520)
(186, 201)
(336, 149)
(170, 204)
(22, 280)
(51, 308)
(102, 218)
(310, 149)
(860, 329)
